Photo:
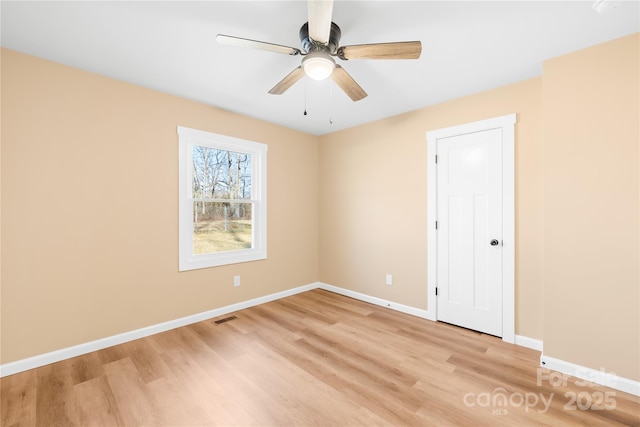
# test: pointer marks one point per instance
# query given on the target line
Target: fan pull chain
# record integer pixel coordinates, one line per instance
(330, 102)
(305, 98)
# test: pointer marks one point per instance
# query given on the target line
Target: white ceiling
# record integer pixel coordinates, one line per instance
(467, 47)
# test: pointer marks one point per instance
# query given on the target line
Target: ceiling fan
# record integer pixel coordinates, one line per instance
(320, 39)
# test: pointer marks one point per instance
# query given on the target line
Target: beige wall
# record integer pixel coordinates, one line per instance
(90, 212)
(89, 206)
(592, 216)
(373, 200)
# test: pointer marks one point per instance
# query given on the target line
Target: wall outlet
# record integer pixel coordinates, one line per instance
(389, 279)
(236, 281)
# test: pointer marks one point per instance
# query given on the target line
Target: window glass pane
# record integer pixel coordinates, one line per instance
(220, 174)
(221, 227)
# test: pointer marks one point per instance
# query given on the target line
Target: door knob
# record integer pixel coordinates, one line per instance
(494, 242)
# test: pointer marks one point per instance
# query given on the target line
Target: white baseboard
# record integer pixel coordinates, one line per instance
(377, 301)
(599, 377)
(531, 343)
(520, 340)
(77, 350)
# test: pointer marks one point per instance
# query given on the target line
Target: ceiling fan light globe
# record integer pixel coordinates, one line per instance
(318, 66)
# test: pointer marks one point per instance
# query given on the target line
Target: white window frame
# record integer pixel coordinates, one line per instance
(187, 138)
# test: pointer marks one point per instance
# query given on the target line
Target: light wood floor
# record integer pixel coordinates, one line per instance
(315, 358)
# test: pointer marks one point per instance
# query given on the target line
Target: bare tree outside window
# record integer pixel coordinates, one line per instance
(221, 192)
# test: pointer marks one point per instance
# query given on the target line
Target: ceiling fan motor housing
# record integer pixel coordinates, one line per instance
(310, 45)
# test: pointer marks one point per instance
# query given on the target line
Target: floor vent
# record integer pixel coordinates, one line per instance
(226, 319)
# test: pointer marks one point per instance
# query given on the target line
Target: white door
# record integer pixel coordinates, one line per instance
(469, 234)
(470, 203)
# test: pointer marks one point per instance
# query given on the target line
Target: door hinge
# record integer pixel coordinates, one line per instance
(436, 158)
(436, 225)
(436, 291)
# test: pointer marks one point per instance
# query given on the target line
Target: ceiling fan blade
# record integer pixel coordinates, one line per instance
(396, 50)
(319, 16)
(347, 84)
(254, 44)
(289, 80)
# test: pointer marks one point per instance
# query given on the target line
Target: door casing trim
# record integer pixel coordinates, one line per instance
(507, 125)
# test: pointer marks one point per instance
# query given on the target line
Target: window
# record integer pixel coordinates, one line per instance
(223, 206)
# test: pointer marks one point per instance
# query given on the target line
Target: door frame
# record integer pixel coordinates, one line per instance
(507, 125)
